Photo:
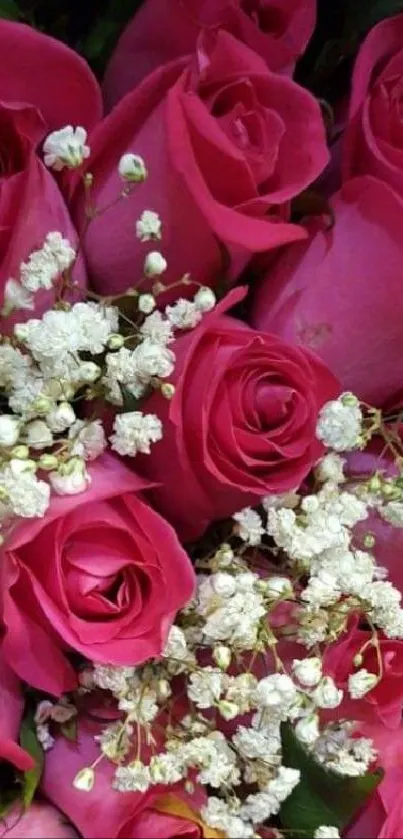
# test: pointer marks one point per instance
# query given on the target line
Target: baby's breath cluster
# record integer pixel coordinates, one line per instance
(58, 372)
(212, 709)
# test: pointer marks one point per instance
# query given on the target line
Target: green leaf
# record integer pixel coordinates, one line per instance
(321, 797)
(30, 743)
(9, 10)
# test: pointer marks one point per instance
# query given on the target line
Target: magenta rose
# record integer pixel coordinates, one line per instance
(12, 707)
(341, 292)
(240, 425)
(374, 136)
(49, 88)
(227, 143)
(163, 30)
(101, 574)
(39, 821)
(102, 812)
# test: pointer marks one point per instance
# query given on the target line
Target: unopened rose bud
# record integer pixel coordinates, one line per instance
(9, 430)
(115, 342)
(132, 168)
(146, 303)
(154, 264)
(84, 780)
(168, 390)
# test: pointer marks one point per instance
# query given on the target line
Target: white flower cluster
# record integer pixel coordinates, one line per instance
(42, 269)
(340, 423)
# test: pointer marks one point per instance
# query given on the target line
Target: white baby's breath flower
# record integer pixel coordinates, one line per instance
(72, 479)
(204, 299)
(360, 683)
(183, 314)
(250, 526)
(326, 832)
(308, 671)
(307, 729)
(146, 303)
(157, 329)
(339, 423)
(132, 168)
(276, 692)
(326, 694)
(330, 468)
(9, 430)
(61, 417)
(392, 513)
(16, 297)
(26, 496)
(154, 264)
(148, 226)
(205, 687)
(88, 439)
(132, 778)
(38, 435)
(134, 432)
(66, 148)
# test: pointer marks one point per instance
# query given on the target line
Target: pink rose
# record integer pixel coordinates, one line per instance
(39, 821)
(227, 144)
(241, 423)
(374, 137)
(384, 702)
(11, 709)
(102, 812)
(162, 30)
(341, 292)
(49, 88)
(383, 815)
(113, 579)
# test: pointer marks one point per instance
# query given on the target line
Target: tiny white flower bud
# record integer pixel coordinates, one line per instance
(132, 168)
(154, 264)
(38, 435)
(222, 656)
(42, 405)
(84, 780)
(163, 689)
(115, 342)
(89, 372)
(61, 417)
(20, 452)
(48, 462)
(228, 710)
(326, 694)
(349, 399)
(71, 479)
(204, 299)
(9, 430)
(307, 729)
(146, 303)
(326, 832)
(168, 390)
(276, 587)
(361, 683)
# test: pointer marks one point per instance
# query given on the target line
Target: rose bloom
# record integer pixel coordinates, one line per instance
(227, 144)
(384, 702)
(105, 812)
(12, 706)
(51, 87)
(163, 30)
(374, 136)
(39, 821)
(101, 574)
(341, 292)
(240, 425)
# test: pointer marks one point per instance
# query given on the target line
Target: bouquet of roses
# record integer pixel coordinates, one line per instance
(201, 431)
